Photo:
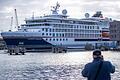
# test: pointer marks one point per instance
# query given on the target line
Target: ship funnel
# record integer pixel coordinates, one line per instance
(98, 14)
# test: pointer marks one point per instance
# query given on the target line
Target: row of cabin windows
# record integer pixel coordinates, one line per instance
(62, 21)
(71, 35)
(65, 26)
(70, 30)
(75, 26)
(38, 25)
(56, 39)
(53, 34)
(87, 35)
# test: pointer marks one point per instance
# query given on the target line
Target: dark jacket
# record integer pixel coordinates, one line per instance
(90, 70)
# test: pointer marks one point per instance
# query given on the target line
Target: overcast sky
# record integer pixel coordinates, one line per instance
(75, 8)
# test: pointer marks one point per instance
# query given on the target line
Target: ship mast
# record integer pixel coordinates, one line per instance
(11, 24)
(33, 15)
(55, 8)
(16, 19)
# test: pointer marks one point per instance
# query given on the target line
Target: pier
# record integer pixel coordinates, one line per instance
(59, 49)
(16, 50)
(22, 49)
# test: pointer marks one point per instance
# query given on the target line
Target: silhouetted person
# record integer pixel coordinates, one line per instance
(98, 69)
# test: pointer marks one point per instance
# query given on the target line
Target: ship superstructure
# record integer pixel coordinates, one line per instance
(59, 30)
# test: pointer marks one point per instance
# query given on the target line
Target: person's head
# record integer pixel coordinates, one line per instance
(97, 54)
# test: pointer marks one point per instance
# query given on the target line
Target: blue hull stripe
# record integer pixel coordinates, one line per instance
(25, 41)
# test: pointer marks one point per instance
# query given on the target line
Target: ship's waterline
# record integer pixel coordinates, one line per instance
(49, 66)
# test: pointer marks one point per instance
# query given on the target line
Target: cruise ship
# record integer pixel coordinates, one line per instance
(58, 29)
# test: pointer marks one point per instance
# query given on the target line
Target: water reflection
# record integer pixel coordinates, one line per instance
(49, 66)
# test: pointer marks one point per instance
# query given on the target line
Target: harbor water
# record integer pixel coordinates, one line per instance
(51, 66)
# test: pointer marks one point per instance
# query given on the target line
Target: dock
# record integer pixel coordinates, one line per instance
(22, 49)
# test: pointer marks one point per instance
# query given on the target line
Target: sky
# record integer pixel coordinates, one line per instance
(75, 8)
